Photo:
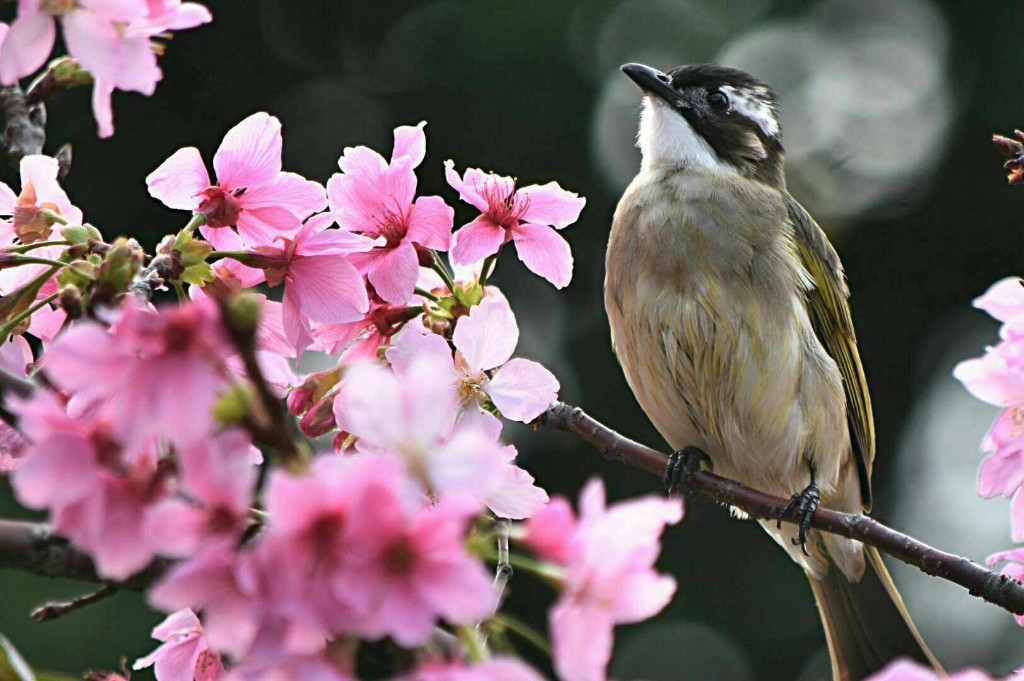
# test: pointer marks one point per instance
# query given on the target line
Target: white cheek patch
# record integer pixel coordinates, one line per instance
(667, 139)
(751, 103)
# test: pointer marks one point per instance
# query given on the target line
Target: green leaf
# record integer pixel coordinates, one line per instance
(198, 274)
(13, 666)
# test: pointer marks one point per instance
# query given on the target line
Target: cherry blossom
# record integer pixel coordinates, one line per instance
(139, 370)
(40, 191)
(608, 558)
(252, 193)
(527, 216)
(184, 655)
(323, 286)
(112, 39)
(377, 198)
(407, 568)
(217, 478)
(482, 369)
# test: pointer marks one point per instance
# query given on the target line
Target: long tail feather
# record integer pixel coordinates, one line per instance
(866, 623)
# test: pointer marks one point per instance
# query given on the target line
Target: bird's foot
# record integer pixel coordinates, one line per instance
(801, 508)
(682, 464)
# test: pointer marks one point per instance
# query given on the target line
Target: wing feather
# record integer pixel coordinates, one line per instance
(830, 316)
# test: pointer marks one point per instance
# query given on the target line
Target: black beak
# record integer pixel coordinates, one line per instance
(651, 81)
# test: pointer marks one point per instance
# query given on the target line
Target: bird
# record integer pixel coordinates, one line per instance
(729, 315)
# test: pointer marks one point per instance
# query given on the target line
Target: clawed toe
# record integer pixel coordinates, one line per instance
(683, 462)
(801, 508)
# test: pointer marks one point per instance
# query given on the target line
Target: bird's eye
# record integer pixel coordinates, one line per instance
(718, 101)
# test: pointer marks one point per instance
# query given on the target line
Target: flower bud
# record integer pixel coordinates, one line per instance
(80, 234)
(243, 315)
(319, 420)
(122, 262)
(316, 385)
(234, 406)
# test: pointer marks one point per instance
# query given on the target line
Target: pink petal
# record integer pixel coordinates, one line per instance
(41, 172)
(467, 192)
(328, 289)
(477, 240)
(393, 272)
(250, 154)
(7, 200)
(487, 336)
(186, 15)
(642, 595)
(904, 670)
(410, 141)
(544, 252)
(1003, 300)
(551, 531)
(289, 191)
(513, 494)
(331, 241)
(991, 379)
(127, 63)
(581, 639)
(63, 472)
(430, 223)
(16, 355)
(103, 107)
(27, 44)
(262, 226)
(522, 390)
(411, 345)
(549, 204)
(178, 181)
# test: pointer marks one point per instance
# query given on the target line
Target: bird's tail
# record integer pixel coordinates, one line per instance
(866, 623)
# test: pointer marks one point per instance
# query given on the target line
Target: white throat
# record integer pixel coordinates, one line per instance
(666, 139)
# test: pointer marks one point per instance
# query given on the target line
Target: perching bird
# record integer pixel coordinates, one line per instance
(729, 316)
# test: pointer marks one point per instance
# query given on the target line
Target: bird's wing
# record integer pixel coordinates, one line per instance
(830, 316)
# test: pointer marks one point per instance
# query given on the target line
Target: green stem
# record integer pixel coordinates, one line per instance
(485, 271)
(427, 294)
(39, 244)
(180, 290)
(442, 270)
(32, 260)
(219, 255)
(476, 649)
(546, 571)
(523, 631)
(6, 329)
(198, 220)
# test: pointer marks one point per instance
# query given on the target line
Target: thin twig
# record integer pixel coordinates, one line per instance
(24, 125)
(56, 610)
(1001, 590)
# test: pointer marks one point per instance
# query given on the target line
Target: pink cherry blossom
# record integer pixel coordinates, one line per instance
(608, 558)
(154, 373)
(217, 478)
(1014, 568)
(376, 198)
(482, 369)
(361, 340)
(323, 287)
(184, 655)
(905, 669)
(112, 39)
(406, 569)
(1002, 472)
(40, 191)
(527, 216)
(252, 193)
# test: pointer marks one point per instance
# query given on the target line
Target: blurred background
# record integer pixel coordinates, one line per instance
(887, 108)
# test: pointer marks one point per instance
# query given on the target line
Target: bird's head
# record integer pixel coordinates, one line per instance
(711, 118)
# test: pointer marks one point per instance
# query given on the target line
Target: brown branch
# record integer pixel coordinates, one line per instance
(24, 125)
(55, 610)
(1001, 590)
(33, 547)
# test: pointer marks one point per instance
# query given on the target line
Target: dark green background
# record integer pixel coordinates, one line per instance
(498, 85)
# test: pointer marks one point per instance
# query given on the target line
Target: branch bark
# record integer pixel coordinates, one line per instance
(998, 589)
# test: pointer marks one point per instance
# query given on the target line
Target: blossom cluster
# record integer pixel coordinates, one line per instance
(157, 432)
(998, 378)
(114, 40)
